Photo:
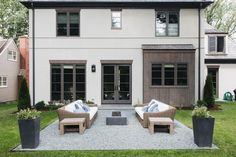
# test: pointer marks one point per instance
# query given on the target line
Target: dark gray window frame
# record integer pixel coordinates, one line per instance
(68, 11)
(62, 78)
(216, 43)
(167, 23)
(175, 75)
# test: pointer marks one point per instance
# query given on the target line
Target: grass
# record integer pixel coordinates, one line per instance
(224, 137)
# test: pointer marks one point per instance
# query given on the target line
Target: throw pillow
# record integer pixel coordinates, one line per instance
(86, 107)
(145, 108)
(155, 109)
(154, 105)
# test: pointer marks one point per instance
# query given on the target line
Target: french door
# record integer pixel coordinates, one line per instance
(116, 84)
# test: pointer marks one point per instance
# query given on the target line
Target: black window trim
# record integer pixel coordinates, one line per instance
(167, 23)
(175, 75)
(62, 79)
(68, 11)
(216, 43)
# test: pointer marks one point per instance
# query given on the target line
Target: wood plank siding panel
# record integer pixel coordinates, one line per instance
(180, 96)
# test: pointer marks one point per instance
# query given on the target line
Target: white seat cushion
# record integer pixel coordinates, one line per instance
(92, 112)
(70, 107)
(139, 111)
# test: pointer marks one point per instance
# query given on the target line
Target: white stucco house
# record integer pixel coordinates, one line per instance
(220, 60)
(117, 51)
(9, 70)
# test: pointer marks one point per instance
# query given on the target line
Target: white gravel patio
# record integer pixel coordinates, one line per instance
(103, 137)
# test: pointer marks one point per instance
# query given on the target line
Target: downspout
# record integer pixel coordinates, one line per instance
(199, 51)
(33, 50)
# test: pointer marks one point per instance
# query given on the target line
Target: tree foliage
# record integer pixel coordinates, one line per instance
(208, 93)
(24, 96)
(222, 15)
(13, 19)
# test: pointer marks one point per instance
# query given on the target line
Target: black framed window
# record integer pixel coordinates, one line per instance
(216, 44)
(116, 19)
(68, 23)
(68, 82)
(169, 74)
(167, 23)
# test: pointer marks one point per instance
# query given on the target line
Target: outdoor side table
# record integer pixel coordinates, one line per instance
(160, 121)
(72, 121)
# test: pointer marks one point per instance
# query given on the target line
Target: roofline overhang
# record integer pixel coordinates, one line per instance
(220, 61)
(128, 4)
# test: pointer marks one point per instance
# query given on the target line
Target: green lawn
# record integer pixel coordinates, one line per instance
(224, 137)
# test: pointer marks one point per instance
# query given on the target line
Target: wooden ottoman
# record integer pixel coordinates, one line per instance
(160, 121)
(72, 121)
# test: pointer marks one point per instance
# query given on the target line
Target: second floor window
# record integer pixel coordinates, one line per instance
(116, 19)
(3, 81)
(167, 23)
(216, 44)
(11, 55)
(68, 24)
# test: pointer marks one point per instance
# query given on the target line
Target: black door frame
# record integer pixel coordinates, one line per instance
(128, 102)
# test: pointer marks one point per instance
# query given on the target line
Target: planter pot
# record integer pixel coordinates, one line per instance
(203, 131)
(29, 132)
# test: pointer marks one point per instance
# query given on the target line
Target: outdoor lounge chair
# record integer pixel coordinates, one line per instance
(67, 112)
(164, 111)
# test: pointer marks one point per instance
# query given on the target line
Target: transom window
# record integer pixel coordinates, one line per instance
(216, 44)
(11, 55)
(68, 24)
(116, 19)
(67, 82)
(167, 23)
(3, 81)
(169, 74)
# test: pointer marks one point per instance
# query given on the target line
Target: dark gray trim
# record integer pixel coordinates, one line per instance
(168, 47)
(199, 51)
(68, 61)
(167, 12)
(221, 61)
(33, 50)
(116, 61)
(121, 4)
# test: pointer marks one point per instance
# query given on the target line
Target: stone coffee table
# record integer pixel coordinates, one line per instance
(116, 119)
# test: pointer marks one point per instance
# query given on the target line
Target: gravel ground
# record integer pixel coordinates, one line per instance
(103, 137)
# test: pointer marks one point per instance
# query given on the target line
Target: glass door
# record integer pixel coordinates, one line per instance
(116, 87)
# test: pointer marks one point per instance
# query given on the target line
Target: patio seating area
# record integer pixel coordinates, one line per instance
(115, 137)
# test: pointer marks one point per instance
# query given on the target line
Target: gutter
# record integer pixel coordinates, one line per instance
(199, 51)
(33, 50)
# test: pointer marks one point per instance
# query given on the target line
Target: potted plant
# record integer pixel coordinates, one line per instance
(29, 127)
(203, 126)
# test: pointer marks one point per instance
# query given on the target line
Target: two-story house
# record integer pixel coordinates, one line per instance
(9, 70)
(220, 60)
(117, 51)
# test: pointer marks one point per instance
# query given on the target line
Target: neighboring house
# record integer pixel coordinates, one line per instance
(220, 60)
(117, 51)
(9, 70)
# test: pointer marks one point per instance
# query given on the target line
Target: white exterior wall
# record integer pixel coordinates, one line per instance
(98, 41)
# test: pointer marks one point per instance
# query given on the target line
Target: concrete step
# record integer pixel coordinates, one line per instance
(116, 107)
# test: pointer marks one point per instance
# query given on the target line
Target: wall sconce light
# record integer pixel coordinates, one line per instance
(93, 68)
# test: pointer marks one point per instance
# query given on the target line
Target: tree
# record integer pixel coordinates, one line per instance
(13, 19)
(222, 15)
(24, 96)
(208, 93)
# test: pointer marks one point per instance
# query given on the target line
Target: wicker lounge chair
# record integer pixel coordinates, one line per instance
(67, 112)
(143, 116)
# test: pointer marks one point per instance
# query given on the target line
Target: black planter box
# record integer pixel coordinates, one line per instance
(203, 131)
(29, 132)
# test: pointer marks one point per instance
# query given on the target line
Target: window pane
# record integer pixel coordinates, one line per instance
(156, 74)
(173, 24)
(220, 44)
(80, 82)
(161, 24)
(116, 19)
(182, 74)
(61, 24)
(56, 82)
(74, 24)
(169, 74)
(212, 44)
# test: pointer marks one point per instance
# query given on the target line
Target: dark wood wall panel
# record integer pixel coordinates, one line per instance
(180, 96)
